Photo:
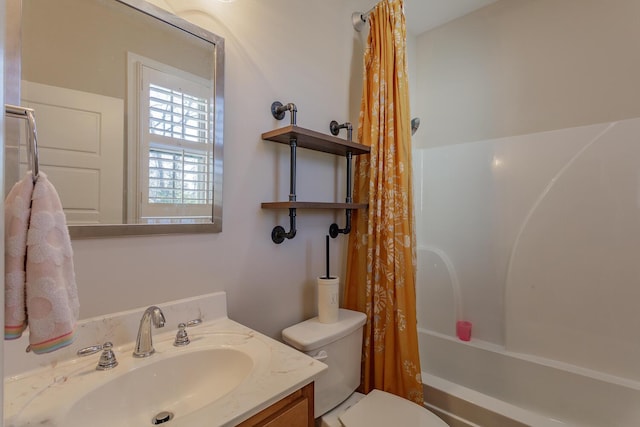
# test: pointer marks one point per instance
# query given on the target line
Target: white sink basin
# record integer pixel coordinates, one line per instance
(224, 376)
(177, 385)
(175, 380)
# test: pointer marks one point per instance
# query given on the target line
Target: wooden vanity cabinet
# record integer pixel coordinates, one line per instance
(295, 410)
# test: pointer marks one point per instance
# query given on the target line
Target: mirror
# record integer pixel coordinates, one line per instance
(129, 107)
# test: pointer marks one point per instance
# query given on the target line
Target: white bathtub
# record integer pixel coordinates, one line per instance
(533, 391)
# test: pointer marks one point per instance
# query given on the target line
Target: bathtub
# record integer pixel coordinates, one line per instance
(529, 390)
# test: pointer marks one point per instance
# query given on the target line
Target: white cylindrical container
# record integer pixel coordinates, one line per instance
(328, 299)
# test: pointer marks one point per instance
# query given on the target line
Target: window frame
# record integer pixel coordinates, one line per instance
(180, 83)
(212, 215)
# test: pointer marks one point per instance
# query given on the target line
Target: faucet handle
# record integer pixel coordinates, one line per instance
(193, 322)
(86, 351)
(107, 358)
(182, 338)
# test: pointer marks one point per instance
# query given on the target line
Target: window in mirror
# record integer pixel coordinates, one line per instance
(175, 146)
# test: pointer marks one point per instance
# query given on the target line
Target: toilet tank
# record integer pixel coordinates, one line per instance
(339, 345)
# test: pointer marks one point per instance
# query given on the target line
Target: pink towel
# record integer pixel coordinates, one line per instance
(17, 210)
(50, 293)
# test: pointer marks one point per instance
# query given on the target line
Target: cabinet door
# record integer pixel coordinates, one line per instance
(295, 410)
(295, 415)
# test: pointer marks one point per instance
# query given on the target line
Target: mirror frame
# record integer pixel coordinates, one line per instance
(13, 79)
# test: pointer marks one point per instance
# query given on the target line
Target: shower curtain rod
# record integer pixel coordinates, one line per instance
(359, 19)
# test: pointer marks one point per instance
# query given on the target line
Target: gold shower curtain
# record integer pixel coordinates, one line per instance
(381, 257)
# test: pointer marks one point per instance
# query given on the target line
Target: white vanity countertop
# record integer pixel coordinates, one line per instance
(41, 396)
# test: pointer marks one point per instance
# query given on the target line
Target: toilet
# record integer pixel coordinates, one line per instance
(339, 345)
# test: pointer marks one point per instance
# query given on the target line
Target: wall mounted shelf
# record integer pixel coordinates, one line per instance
(316, 141)
(313, 205)
(295, 137)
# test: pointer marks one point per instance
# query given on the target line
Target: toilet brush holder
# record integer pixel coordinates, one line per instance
(328, 299)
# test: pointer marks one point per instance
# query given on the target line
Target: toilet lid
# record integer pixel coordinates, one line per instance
(382, 409)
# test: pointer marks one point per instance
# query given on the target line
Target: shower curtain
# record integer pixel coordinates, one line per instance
(381, 257)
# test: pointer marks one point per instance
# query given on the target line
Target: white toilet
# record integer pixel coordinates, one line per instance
(339, 345)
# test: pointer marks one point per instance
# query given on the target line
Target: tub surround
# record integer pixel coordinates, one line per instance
(529, 225)
(546, 269)
(283, 372)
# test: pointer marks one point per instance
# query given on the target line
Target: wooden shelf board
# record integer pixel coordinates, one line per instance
(313, 205)
(317, 141)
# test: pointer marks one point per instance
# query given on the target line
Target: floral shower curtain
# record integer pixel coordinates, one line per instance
(381, 256)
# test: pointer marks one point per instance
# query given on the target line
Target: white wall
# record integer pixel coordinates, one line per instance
(300, 51)
(519, 67)
(527, 201)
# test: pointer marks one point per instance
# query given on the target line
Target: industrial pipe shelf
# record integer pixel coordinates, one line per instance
(313, 205)
(316, 141)
(296, 137)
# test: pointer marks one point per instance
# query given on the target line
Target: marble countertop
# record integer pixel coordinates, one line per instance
(42, 396)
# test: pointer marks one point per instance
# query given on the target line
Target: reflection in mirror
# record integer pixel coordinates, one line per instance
(129, 103)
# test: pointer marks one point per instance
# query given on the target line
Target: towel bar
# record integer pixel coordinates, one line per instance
(27, 114)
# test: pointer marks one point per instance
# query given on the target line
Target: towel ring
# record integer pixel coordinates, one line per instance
(28, 114)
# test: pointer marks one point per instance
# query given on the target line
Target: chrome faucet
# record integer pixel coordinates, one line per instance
(144, 343)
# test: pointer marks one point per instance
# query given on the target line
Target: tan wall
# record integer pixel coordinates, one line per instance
(523, 66)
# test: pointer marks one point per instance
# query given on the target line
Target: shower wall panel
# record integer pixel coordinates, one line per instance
(535, 239)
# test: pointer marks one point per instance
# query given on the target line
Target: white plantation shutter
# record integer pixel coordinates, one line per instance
(178, 115)
(176, 146)
(179, 177)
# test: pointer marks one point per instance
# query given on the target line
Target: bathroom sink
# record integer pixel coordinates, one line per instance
(227, 374)
(169, 386)
(165, 388)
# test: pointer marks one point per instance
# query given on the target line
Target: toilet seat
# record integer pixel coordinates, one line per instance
(382, 409)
